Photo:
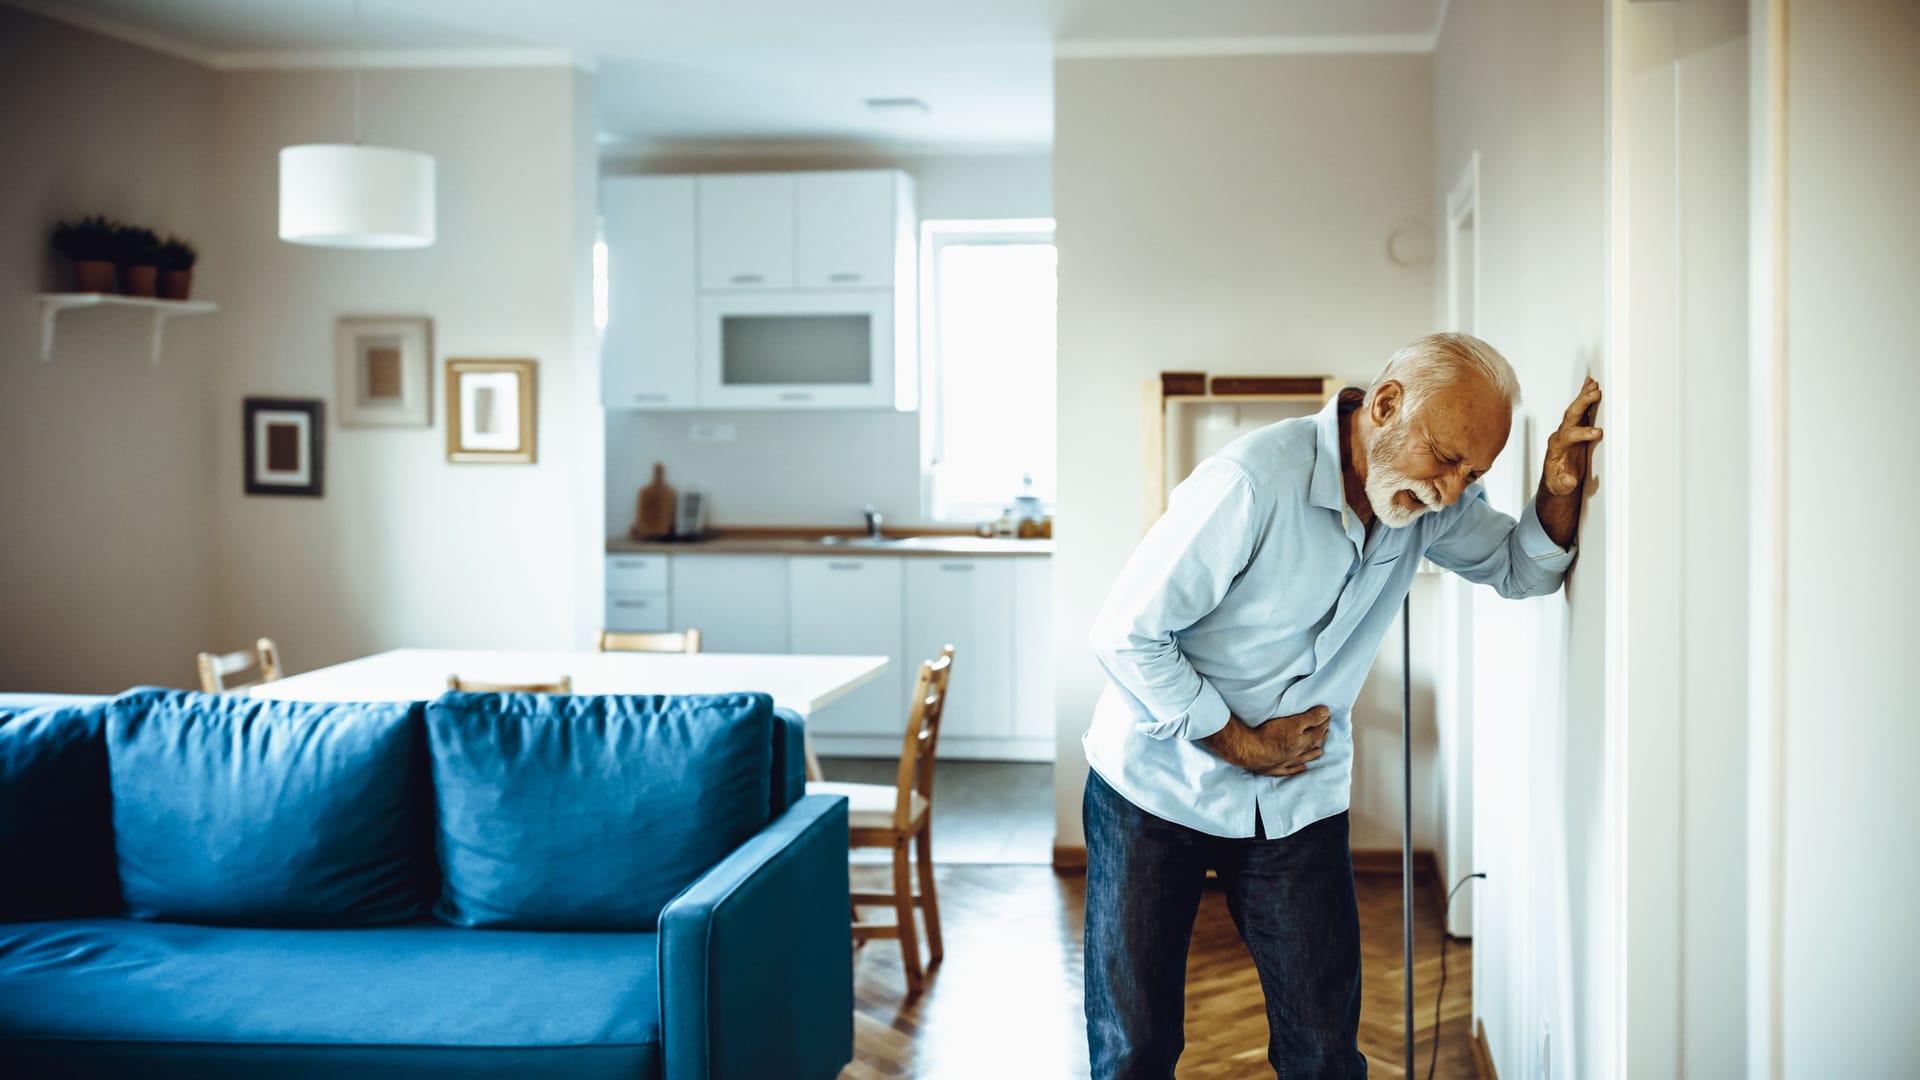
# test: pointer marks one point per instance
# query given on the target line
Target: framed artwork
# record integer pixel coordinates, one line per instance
(385, 372)
(491, 411)
(284, 446)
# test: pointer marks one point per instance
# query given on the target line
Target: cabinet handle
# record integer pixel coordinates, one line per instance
(957, 566)
(649, 397)
(844, 566)
(632, 603)
(747, 279)
(796, 395)
(843, 277)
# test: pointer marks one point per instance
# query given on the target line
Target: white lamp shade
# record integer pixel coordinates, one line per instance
(356, 196)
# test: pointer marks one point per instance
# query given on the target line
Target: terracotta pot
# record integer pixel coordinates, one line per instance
(94, 275)
(176, 284)
(138, 280)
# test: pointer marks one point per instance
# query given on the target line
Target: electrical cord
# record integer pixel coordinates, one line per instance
(1445, 936)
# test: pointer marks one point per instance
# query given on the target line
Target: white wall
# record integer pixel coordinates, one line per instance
(105, 534)
(1227, 215)
(405, 548)
(1525, 86)
(1840, 973)
(811, 468)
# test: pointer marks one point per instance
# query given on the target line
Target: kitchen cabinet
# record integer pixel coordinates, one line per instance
(647, 355)
(852, 607)
(969, 604)
(636, 592)
(823, 350)
(847, 229)
(1034, 715)
(737, 602)
(746, 231)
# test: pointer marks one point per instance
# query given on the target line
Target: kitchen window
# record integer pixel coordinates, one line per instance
(987, 346)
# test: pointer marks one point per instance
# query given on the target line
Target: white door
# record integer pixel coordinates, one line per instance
(797, 350)
(851, 607)
(737, 602)
(1033, 706)
(649, 357)
(847, 230)
(746, 231)
(966, 603)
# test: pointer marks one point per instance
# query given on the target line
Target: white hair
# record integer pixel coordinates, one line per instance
(1437, 361)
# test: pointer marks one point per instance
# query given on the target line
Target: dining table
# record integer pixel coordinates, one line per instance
(803, 683)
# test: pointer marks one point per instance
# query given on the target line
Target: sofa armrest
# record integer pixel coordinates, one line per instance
(756, 956)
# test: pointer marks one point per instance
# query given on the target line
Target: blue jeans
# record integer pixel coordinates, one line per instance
(1292, 900)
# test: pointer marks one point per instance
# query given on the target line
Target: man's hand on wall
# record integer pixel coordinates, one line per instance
(1283, 746)
(1564, 472)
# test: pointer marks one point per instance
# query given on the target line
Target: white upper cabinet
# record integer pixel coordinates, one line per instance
(966, 603)
(847, 229)
(648, 354)
(747, 231)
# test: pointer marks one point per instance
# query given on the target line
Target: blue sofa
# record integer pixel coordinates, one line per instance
(483, 885)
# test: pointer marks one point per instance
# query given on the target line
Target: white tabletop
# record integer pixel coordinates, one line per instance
(801, 683)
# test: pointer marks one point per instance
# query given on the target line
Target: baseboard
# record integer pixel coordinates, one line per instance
(1482, 1057)
(1385, 862)
(1069, 859)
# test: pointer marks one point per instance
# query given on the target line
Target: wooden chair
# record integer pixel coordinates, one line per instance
(562, 685)
(216, 668)
(686, 641)
(882, 816)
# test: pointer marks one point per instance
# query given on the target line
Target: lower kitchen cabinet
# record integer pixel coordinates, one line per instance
(737, 602)
(852, 607)
(966, 603)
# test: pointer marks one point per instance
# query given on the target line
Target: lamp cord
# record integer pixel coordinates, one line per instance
(1445, 936)
(359, 33)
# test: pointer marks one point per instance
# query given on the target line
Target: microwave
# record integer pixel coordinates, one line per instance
(827, 349)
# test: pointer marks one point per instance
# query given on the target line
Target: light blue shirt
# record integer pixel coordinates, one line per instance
(1259, 594)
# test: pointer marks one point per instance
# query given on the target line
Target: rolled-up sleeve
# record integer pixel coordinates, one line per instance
(1177, 575)
(1487, 547)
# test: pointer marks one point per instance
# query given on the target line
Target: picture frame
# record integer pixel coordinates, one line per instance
(492, 411)
(385, 366)
(285, 446)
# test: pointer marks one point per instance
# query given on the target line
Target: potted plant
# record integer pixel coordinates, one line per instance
(176, 269)
(92, 245)
(139, 260)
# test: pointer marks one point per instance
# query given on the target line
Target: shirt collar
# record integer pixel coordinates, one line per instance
(1327, 488)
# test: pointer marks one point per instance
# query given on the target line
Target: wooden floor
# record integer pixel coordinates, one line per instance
(1006, 1004)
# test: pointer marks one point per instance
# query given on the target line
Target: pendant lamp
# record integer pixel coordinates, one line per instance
(356, 196)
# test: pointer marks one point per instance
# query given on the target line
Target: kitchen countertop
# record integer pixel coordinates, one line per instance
(919, 546)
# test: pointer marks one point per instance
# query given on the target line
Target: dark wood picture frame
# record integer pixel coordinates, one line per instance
(284, 455)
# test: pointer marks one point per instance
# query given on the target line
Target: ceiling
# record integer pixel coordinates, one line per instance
(713, 73)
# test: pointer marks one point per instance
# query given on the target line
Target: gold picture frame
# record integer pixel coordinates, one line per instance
(492, 411)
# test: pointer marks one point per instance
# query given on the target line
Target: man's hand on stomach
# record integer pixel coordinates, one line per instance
(1283, 746)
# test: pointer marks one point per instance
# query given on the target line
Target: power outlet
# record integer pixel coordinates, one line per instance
(711, 432)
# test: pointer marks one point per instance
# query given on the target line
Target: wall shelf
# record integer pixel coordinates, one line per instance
(52, 304)
(1162, 417)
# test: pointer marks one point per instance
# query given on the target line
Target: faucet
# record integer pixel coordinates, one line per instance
(873, 522)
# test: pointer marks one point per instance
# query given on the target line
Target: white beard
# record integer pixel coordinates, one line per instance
(1384, 481)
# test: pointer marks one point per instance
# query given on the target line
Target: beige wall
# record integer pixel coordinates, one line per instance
(1525, 86)
(407, 549)
(1849, 974)
(1227, 215)
(106, 463)
(787, 468)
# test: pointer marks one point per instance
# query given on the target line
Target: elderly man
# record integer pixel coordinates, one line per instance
(1234, 644)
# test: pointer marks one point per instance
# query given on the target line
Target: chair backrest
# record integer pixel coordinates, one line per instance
(561, 685)
(927, 706)
(685, 641)
(216, 668)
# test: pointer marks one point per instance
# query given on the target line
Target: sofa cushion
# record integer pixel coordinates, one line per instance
(590, 813)
(238, 811)
(255, 1000)
(56, 824)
